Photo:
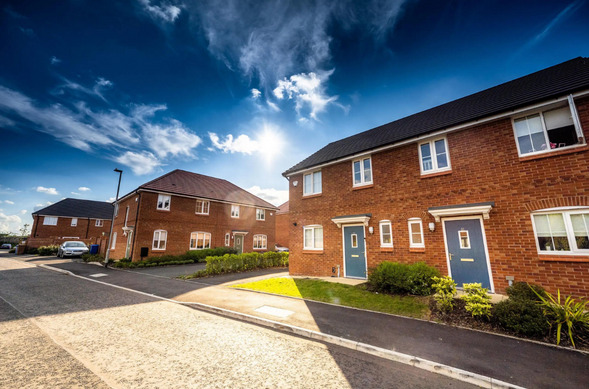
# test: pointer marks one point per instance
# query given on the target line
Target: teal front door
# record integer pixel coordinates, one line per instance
(238, 243)
(354, 252)
(466, 252)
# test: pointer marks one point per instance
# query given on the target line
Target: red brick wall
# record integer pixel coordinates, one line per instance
(64, 228)
(485, 167)
(282, 229)
(181, 220)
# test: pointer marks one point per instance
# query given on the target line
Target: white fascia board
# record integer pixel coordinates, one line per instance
(441, 132)
(207, 199)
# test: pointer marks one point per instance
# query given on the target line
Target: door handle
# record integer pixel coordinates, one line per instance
(451, 255)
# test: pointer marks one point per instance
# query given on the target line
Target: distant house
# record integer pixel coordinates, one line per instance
(183, 211)
(490, 188)
(71, 219)
(282, 226)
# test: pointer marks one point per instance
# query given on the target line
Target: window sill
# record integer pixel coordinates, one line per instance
(436, 174)
(386, 249)
(556, 152)
(417, 249)
(363, 186)
(311, 196)
(162, 210)
(201, 214)
(158, 249)
(312, 251)
(564, 258)
(260, 249)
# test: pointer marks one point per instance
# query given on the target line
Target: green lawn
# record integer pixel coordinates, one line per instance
(341, 294)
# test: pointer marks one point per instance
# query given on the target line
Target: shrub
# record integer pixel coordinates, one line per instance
(478, 302)
(201, 255)
(32, 250)
(92, 258)
(48, 250)
(12, 250)
(522, 316)
(445, 288)
(400, 278)
(571, 313)
(232, 263)
(525, 291)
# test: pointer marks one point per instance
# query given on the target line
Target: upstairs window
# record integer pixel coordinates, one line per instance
(159, 239)
(416, 233)
(313, 238)
(200, 240)
(545, 131)
(433, 156)
(235, 211)
(99, 223)
(362, 171)
(163, 202)
(202, 207)
(562, 232)
(386, 234)
(312, 183)
(50, 221)
(74, 222)
(260, 242)
(260, 214)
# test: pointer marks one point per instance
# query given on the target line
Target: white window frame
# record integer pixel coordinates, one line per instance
(74, 222)
(203, 204)
(50, 220)
(260, 242)
(161, 199)
(380, 225)
(159, 240)
(235, 211)
(206, 242)
(313, 191)
(99, 223)
(311, 246)
(227, 239)
(541, 111)
(126, 216)
(362, 182)
(467, 239)
(432, 148)
(566, 213)
(415, 220)
(114, 241)
(260, 214)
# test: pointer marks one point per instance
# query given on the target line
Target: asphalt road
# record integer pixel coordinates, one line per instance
(62, 331)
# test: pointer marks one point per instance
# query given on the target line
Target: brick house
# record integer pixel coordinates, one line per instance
(71, 219)
(490, 188)
(282, 225)
(183, 211)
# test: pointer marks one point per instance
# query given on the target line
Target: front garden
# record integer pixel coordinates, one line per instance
(418, 290)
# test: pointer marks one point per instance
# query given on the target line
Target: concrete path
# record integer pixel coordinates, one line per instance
(523, 363)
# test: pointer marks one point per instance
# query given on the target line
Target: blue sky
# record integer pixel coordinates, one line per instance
(238, 89)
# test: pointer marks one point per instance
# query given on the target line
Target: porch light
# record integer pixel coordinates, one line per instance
(432, 226)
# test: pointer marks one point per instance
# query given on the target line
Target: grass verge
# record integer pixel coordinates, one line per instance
(341, 294)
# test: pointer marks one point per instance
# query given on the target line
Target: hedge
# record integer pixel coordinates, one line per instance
(191, 256)
(234, 263)
(400, 278)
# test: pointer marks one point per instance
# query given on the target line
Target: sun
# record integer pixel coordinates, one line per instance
(270, 143)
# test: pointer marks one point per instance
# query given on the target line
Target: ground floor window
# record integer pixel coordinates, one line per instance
(227, 239)
(565, 232)
(159, 239)
(313, 238)
(386, 234)
(260, 242)
(200, 240)
(415, 233)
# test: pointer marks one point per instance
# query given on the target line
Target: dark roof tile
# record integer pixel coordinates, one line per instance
(78, 208)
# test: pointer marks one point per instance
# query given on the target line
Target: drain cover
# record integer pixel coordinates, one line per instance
(274, 311)
(97, 275)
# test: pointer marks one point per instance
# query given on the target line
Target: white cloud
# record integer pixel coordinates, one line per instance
(271, 195)
(84, 189)
(140, 163)
(308, 92)
(7, 202)
(55, 60)
(165, 12)
(23, 211)
(41, 205)
(256, 93)
(269, 142)
(51, 191)
(9, 223)
(76, 193)
(174, 139)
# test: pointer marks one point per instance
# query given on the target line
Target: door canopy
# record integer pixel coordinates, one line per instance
(462, 210)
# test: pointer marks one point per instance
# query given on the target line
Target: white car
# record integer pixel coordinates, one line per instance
(72, 249)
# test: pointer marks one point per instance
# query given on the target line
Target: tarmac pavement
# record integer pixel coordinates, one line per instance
(514, 361)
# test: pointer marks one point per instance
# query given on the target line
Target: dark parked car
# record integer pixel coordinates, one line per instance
(72, 249)
(6, 246)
